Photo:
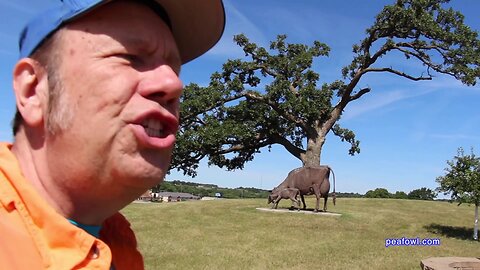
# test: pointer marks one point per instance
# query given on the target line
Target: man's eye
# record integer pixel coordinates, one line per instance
(131, 58)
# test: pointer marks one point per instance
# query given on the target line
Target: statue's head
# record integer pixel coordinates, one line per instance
(272, 197)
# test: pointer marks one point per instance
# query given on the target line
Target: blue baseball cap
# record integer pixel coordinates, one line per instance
(196, 25)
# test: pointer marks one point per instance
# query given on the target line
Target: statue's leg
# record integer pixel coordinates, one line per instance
(277, 201)
(297, 201)
(303, 201)
(325, 204)
(274, 202)
(316, 190)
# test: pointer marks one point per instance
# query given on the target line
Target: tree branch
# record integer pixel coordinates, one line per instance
(199, 120)
(421, 59)
(241, 147)
(360, 93)
(265, 69)
(437, 48)
(399, 73)
(345, 99)
(213, 106)
(293, 90)
(274, 106)
(379, 53)
(292, 149)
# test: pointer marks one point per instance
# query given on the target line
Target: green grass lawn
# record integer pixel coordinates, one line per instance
(232, 234)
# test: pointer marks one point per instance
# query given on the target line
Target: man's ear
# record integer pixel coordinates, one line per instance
(30, 83)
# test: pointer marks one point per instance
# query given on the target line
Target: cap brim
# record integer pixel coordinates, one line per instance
(196, 25)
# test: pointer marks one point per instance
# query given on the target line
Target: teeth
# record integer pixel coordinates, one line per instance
(154, 128)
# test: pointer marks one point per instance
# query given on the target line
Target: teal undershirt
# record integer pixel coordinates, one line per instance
(91, 229)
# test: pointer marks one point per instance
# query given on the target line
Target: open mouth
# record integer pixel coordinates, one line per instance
(154, 128)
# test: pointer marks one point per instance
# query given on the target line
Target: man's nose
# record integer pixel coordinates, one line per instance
(161, 85)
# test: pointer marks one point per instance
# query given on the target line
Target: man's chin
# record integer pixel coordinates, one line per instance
(145, 169)
(142, 184)
(140, 175)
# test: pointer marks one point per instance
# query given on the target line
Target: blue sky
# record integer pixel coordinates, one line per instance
(407, 129)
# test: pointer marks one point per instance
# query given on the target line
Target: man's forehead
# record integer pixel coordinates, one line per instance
(107, 30)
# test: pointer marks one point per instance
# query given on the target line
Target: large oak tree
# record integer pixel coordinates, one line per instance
(273, 96)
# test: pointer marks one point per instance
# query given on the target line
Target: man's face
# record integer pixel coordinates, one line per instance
(119, 68)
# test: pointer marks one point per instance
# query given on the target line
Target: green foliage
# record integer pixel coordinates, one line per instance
(226, 118)
(400, 195)
(349, 136)
(378, 193)
(272, 95)
(421, 30)
(416, 194)
(209, 190)
(348, 195)
(462, 178)
(422, 194)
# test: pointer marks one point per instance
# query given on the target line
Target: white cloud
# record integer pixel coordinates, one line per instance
(404, 89)
(237, 23)
(381, 100)
(454, 136)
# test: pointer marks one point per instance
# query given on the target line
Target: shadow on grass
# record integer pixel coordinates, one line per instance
(463, 233)
(306, 209)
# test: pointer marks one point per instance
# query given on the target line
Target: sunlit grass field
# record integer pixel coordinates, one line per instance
(232, 234)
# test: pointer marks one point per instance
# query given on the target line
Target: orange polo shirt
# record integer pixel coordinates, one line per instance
(34, 236)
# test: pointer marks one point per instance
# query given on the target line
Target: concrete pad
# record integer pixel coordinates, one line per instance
(295, 211)
(447, 263)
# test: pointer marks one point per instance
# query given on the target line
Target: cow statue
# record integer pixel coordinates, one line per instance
(310, 180)
(286, 193)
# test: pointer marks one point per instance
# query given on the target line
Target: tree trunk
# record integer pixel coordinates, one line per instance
(475, 228)
(311, 157)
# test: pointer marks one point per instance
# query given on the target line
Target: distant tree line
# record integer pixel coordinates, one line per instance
(416, 194)
(210, 190)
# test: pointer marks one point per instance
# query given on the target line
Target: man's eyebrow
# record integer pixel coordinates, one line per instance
(136, 42)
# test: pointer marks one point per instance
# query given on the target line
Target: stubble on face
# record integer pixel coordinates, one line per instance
(60, 111)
